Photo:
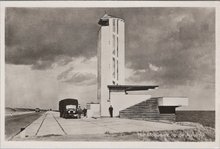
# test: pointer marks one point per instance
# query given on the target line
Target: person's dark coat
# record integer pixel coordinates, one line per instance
(111, 111)
(79, 112)
(84, 112)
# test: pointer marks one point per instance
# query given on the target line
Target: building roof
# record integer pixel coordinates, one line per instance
(131, 87)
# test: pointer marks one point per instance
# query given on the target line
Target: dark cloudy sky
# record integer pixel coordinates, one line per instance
(51, 53)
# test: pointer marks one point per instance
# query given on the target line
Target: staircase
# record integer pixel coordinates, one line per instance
(146, 110)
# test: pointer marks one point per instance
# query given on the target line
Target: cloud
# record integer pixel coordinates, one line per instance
(42, 65)
(153, 67)
(179, 41)
(62, 60)
(34, 88)
(41, 36)
(29, 88)
(81, 79)
(64, 74)
(77, 78)
(80, 71)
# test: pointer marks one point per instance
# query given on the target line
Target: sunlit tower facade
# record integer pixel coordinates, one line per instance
(111, 58)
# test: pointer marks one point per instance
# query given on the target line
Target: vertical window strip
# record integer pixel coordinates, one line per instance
(113, 25)
(113, 38)
(117, 26)
(113, 61)
(117, 46)
(117, 70)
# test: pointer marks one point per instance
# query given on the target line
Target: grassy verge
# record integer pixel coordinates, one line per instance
(198, 133)
(189, 135)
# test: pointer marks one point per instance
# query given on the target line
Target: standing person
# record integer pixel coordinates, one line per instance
(110, 111)
(85, 112)
(79, 112)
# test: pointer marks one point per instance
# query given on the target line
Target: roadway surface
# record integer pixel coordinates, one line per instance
(14, 123)
(51, 125)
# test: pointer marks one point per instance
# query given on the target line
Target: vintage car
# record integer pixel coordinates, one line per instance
(68, 108)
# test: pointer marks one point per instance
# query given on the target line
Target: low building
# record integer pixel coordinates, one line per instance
(93, 110)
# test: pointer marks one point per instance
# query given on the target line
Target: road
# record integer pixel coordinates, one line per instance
(50, 127)
(13, 124)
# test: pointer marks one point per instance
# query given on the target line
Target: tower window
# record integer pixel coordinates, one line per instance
(117, 70)
(113, 68)
(113, 25)
(117, 26)
(117, 46)
(113, 40)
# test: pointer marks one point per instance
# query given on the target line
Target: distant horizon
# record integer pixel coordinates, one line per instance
(58, 109)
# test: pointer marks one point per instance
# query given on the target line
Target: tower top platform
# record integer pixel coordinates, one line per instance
(104, 21)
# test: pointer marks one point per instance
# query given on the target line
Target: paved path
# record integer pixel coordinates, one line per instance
(51, 124)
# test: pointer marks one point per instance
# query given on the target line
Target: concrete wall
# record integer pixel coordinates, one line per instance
(121, 101)
(121, 56)
(104, 69)
(173, 101)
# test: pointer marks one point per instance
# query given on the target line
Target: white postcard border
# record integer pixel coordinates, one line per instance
(89, 4)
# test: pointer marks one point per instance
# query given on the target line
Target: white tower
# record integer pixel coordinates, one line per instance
(111, 58)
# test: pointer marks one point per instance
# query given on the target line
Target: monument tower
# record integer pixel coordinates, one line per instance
(111, 58)
(111, 79)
